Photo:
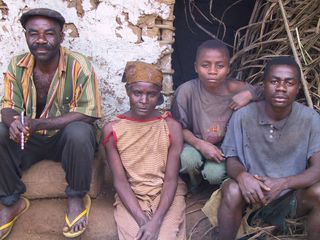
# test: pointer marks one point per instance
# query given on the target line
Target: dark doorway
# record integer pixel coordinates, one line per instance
(197, 21)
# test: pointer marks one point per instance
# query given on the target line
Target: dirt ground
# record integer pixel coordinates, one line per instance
(45, 219)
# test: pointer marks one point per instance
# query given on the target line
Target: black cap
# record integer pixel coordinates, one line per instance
(44, 12)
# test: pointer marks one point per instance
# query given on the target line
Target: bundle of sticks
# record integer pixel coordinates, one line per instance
(279, 27)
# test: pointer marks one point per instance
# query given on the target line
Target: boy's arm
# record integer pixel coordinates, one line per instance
(208, 150)
(245, 93)
(236, 164)
(120, 181)
(241, 99)
(251, 188)
(307, 178)
(170, 182)
(300, 181)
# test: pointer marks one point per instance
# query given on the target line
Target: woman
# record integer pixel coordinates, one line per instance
(143, 148)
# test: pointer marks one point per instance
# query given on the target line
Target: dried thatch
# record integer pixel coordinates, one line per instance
(281, 27)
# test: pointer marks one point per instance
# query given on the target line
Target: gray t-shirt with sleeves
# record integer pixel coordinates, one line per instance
(273, 148)
(204, 113)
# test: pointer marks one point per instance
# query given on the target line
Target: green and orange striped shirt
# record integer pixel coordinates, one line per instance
(74, 87)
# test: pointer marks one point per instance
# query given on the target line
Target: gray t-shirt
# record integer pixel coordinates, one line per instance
(203, 113)
(273, 148)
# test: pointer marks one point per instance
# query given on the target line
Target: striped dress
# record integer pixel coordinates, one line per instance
(143, 148)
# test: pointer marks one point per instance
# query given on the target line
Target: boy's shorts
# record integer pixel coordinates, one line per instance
(256, 218)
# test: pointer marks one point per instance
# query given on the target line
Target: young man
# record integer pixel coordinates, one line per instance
(51, 98)
(203, 106)
(143, 147)
(273, 156)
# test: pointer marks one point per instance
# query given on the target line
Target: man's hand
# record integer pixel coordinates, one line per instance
(276, 185)
(253, 190)
(149, 231)
(30, 124)
(240, 99)
(16, 128)
(211, 152)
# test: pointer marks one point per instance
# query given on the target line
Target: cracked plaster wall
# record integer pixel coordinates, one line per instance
(106, 31)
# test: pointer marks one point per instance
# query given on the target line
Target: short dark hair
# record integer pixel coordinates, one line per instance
(213, 44)
(282, 60)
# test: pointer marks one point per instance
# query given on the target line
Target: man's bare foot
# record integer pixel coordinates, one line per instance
(75, 207)
(7, 214)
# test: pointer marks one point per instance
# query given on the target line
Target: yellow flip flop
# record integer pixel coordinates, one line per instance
(85, 212)
(9, 225)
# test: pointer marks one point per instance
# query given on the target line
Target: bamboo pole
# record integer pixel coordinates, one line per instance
(295, 54)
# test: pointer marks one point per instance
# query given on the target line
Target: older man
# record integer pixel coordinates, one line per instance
(50, 101)
(273, 157)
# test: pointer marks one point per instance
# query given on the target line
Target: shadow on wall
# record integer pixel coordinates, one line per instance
(197, 21)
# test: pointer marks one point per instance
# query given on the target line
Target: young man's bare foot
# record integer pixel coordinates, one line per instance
(7, 214)
(76, 206)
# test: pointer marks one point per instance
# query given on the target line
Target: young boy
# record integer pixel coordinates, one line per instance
(143, 148)
(203, 106)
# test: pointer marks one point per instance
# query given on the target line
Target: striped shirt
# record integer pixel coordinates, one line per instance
(74, 87)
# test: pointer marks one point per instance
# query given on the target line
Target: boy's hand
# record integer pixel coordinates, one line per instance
(211, 152)
(252, 188)
(277, 185)
(240, 99)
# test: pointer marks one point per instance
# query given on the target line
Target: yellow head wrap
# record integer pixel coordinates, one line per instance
(137, 71)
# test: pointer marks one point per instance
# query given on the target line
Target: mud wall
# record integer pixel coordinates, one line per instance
(109, 32)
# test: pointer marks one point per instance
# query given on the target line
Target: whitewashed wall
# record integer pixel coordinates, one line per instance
(105, 34)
